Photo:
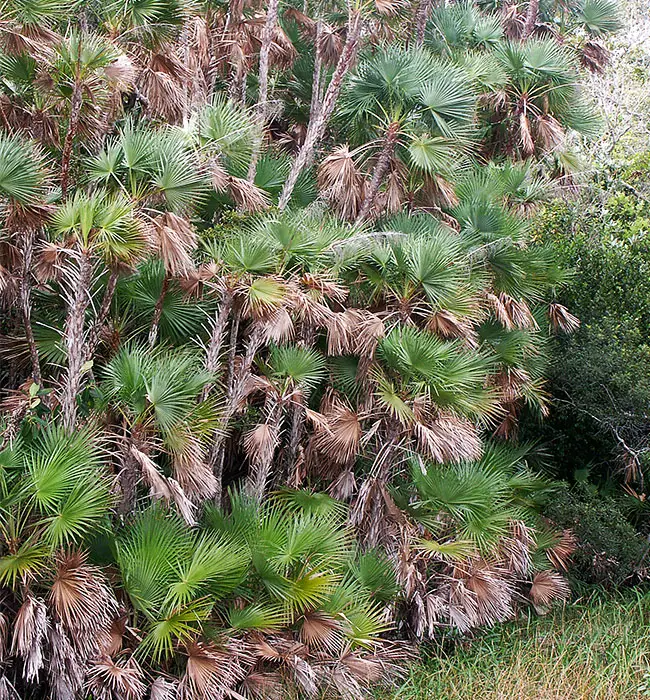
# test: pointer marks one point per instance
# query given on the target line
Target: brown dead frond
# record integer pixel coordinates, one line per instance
(192, 471)
(447, 325)
(562, 319)
(83, 602)
(246, 195)
(319, 630)
(175, 241)
(548, 587)
(211, 672)
(339, 440)
(121, 678)
(549, 132)
(559, 554)
(30, 630)
(342, 183)
(594, 56)
(260, 443)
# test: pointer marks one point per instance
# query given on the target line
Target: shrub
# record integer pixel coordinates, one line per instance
(609, 550)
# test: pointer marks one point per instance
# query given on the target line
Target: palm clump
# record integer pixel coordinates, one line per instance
(267, 339)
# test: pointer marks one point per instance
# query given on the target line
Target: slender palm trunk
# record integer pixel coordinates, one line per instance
(531, 19)
(236, 386)
(381, 168)
(95, 331)
(74, 339)
(73, 126)
(295, 436)
(315, 104)
(263, 98)
(421, 18)
(26, 303)
(157, 312)
(260, 474)
(316, 126)
(216, 337)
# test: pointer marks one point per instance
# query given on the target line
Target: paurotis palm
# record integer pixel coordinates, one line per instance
(185, 337)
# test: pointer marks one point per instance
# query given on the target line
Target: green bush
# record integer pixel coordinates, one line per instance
(609, 551)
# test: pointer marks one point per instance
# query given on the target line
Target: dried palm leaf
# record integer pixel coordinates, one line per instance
(547, 587)
(175, 241)
(562, 319)
(83, 602)
(30, 630)
(123, 678)
(246, 195)
(560, 553)
(342, 182)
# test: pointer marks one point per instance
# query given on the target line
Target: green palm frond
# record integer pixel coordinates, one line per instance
(375, 574)
(21, 171)
(257, 617)
(600, 17)
(301, 367)
(65, 484)
(103, 222)
(150, 554)
(228, 131)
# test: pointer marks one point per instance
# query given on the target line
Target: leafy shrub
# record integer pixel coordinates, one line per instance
(610, 551)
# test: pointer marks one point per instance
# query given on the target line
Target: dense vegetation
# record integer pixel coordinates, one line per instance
(277, 313)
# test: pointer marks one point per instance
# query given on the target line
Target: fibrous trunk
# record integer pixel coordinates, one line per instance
(25, 299)
(381, 168)
(314, 106)
(531, 19)
(421, 17)
(317, 125)
(216, 337)
(157, 312)
(263, 97)
(74, 338)
(102, 316)
(73, 125)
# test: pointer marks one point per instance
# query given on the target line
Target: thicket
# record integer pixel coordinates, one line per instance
(274, 303)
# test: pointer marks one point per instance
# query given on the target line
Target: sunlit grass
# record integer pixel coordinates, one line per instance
(594, 651)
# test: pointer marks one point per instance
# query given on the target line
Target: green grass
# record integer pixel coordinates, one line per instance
(594, 651)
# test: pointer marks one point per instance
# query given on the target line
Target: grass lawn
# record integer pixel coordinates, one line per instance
(583, 652)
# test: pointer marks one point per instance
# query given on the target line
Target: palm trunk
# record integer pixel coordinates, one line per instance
(232, 352)
(531, 19)
(295, 437)
(236, 385)
(258, 479)
(314, 107)
(421, 18)
(316, 126)
(157, 312)
(263, 98)
(74, 340)
(73, 125)
(95, 331)
(216, 337)
(381, 168)
(25, 299)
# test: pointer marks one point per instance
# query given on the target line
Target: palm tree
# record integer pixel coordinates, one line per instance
(371, 329)
(153, 397)
(22, 174)
(99, 225)
(408, 102)
(55, 494)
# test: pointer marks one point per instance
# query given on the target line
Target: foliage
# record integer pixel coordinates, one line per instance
(600, 377)
(610, 552)
(271, 311)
